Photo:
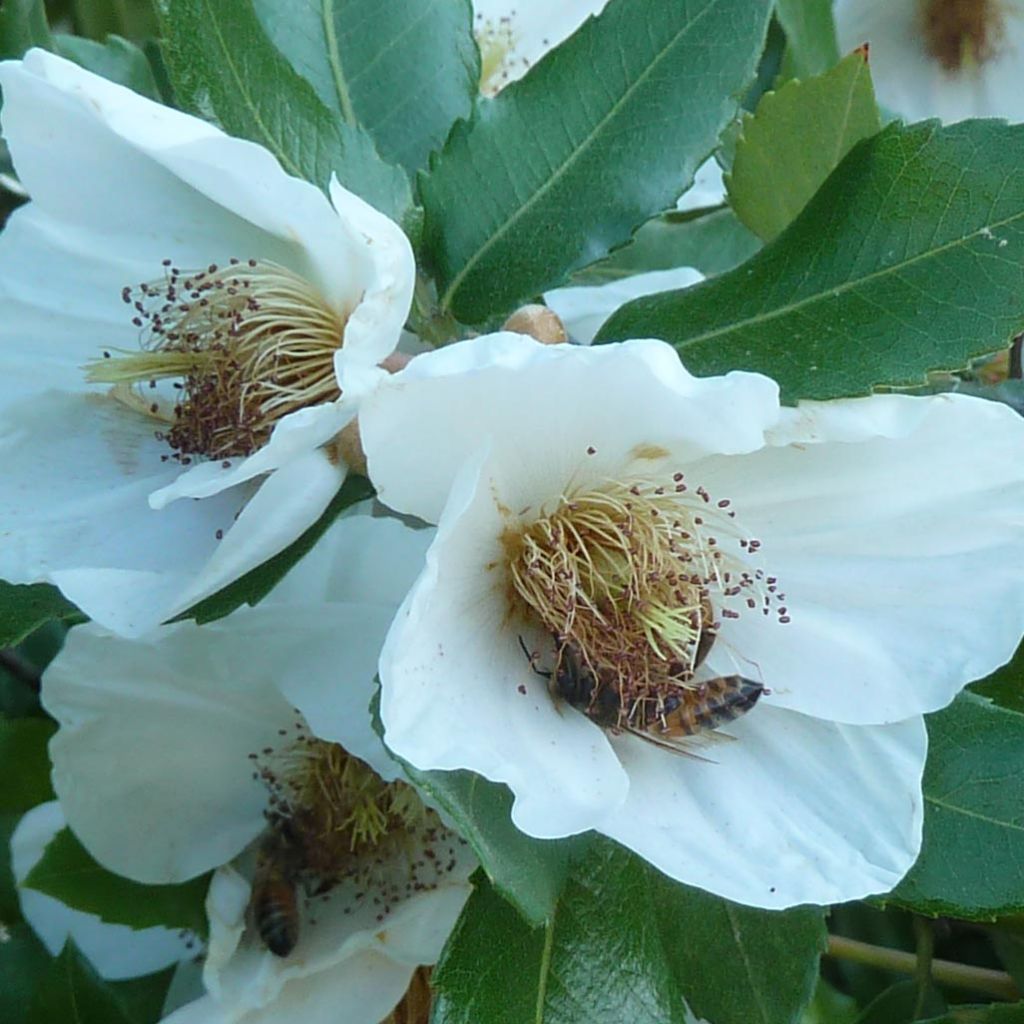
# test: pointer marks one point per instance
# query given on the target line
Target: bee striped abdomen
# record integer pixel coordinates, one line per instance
(709, 706)
(276, 912)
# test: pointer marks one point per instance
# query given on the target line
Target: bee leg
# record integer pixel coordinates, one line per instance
(532, 659)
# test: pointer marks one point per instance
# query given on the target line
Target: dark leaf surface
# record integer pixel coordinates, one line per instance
(972, 859)
(24, 608)
(403, 70)
(909, 259)
(223, 66)
(626, 944)
(604, 132)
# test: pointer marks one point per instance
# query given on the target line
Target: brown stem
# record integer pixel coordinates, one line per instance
(997, 984)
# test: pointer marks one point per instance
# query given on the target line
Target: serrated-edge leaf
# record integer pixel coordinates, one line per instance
(519, 167)
(365, 60)
(73, 993)
(865, 288)
(797, 136)
(224, 68)
(627, 944)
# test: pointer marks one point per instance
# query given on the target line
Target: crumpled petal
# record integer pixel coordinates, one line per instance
(544, 406)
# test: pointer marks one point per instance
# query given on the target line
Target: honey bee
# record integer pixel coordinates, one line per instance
(678, 713)
(274, 903)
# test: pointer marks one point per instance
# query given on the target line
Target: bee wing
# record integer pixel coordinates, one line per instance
(681, 745)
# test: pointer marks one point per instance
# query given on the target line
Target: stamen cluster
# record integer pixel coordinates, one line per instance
(959, 32)
(633, 580)
(248, 343)
(344, 822)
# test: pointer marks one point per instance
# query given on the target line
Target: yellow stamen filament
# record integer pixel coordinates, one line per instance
(622, 571)
(249, 342)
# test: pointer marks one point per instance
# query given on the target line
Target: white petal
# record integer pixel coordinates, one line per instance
(74, 509)
(794, 811)
(295, 435)
(115, 951)
(361, 558)
(151, 762)
(157, 176)
(708, 188)
(352, 963)
(457, 691)
(286, 504)
(627, 401)
(895, 526)
(583, 309)
(387, 290)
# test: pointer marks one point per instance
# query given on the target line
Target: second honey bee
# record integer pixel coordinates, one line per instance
(275, 899)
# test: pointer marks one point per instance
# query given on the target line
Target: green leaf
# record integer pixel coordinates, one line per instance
(528, 872)
(257, 583)
(24, 608)
(627, 944)
(22, 26)
(1005, 686)
(974, 815)
(71, 992)
(142, 999)
(117, 60)
(25, 763)
(24, 965)
(604, 132)
(902, 1004)
(67, 872)
(713, 243)
(795, 139)
(909, 259)
(811, 47)
(830, 1006)
(100, 18)
(10, 909)
(223, 66)
(404, 71)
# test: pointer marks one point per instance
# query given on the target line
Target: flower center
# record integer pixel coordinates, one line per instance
(332, 819)
(496, 42)
(632, 581)
(959, 32)
(246, 343)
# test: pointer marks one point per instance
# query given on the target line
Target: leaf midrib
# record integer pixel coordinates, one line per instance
(834, 291)
(246, 96)
(572, 158)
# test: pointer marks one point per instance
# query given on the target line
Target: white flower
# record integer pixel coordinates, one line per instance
(584, 308)
(179, 751)
(940, 58)
(242, 356)
(115, 951)
(860, 560)
(514, 34)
